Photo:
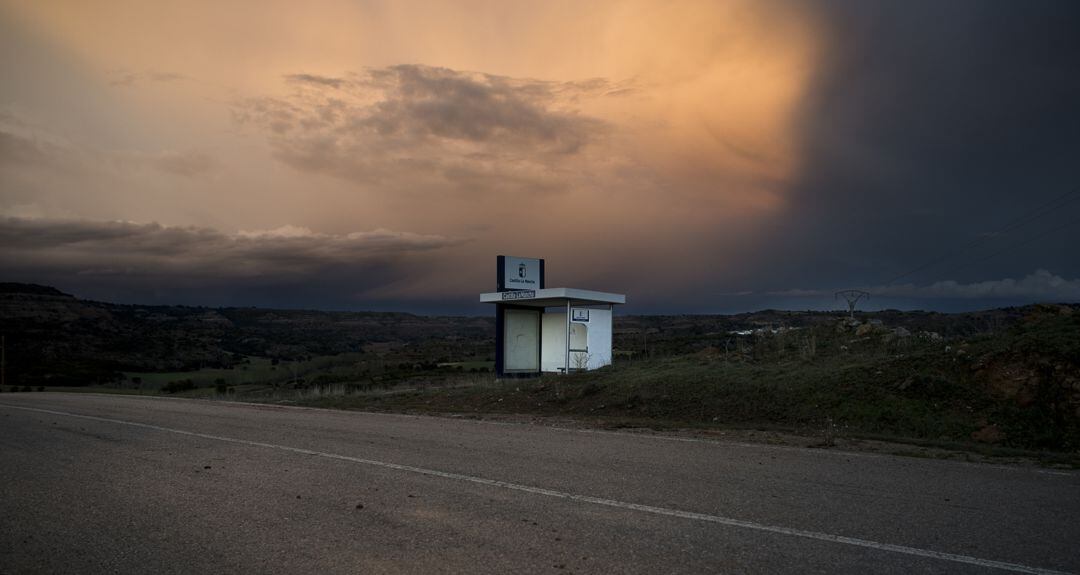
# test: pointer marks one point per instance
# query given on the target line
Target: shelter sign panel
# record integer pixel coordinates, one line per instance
(520, 273)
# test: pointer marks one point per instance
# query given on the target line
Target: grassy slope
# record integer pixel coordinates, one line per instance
(1016, 389)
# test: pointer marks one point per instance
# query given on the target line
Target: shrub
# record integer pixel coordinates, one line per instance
(591, 389)
(178, 386)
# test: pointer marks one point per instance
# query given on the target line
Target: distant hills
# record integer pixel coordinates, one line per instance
(54, 338)
(30, 289)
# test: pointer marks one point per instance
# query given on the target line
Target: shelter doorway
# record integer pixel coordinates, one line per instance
(579, 346)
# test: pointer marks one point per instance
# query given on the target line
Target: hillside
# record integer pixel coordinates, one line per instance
(56, 339)
(1017, 386)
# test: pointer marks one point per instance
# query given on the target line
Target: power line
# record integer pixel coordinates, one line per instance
(1036, 213)
(1018, 245)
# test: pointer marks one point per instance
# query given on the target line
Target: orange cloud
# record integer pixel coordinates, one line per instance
(641, 126)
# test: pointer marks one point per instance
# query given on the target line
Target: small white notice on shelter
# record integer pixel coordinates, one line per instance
(581, 315)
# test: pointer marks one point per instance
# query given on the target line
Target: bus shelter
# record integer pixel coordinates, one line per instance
(541, 329)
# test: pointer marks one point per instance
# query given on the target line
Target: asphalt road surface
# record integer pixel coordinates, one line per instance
(111, 484)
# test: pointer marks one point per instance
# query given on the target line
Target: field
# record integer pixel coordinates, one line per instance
(1006, 379)
(1013, 390)
(252, 370)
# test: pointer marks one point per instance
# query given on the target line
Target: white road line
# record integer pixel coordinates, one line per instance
(1013, 567)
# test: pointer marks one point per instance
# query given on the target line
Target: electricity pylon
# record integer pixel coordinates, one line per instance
(852, 296)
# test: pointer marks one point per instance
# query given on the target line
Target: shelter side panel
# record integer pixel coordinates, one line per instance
(599, 337)
(521, 340)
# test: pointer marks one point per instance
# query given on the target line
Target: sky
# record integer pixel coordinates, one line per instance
(700, 157)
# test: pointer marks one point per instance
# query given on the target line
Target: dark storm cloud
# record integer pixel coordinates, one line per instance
(929, 125)
(420, 121)
(102, 256)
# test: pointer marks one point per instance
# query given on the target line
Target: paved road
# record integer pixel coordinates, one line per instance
(108, 484)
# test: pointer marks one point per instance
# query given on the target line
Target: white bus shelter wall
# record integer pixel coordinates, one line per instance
(599, 338)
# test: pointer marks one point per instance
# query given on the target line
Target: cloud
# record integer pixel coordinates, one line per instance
(188, 163)
(17, 150)
(157, 254)
(1041, 285)
(128, 79)
(422, 122)
(286, 231)
(377, 239)
(315, 80)
(26, 146)
(22, 143)
(423, 102)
